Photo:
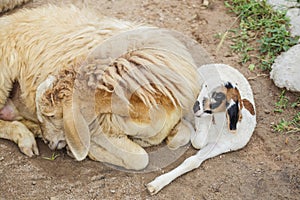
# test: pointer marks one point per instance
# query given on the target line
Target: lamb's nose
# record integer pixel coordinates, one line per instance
(196, 106)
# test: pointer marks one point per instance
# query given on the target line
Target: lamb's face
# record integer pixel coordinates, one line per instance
(210, 102)
(226, 97)
(51, 118)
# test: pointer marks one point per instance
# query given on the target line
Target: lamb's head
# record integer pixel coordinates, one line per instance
(61, 121)
(224, 98)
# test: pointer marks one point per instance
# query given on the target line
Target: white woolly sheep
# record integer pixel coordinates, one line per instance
(143, 91)
(55, 41)
(225, 94)
(38, 42)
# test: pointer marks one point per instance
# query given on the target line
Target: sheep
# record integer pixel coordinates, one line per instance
(30, 50)
(143, 94)
(50, 50)
(6, 5)
(224, 116)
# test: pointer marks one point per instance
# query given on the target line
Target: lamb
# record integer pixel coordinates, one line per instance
(54, 56)
(227, 97)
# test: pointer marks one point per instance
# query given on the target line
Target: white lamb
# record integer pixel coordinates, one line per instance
(225, 119)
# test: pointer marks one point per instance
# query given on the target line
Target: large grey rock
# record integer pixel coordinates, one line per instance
(294, 15)
(283, 4)
(286, 69)
(293, 12)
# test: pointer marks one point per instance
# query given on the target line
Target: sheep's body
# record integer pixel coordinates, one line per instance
(6, 5)
(214, 138)
(45, 41)
(128, 85)
(39, 42)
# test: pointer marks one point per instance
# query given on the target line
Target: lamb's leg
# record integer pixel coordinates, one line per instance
(193, 162)
(18, 132)
(180, 135)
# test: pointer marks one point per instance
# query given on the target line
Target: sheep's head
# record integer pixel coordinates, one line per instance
(227, 98)
(61, 121)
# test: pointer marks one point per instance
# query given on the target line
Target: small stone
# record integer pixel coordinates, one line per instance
(33, 183)
(1, 158)
(113, 191)
(267, 111)
(205, 3)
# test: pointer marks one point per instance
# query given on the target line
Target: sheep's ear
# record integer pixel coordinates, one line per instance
(249, 106)
(233, 115)
(76, 130)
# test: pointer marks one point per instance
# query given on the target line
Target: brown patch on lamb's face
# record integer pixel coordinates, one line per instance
(224, 98)
(216, 101)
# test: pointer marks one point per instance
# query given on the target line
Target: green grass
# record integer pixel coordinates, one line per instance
(52, 157)
(287, 126)
(262, 34)
(290, 126)
(282, 102)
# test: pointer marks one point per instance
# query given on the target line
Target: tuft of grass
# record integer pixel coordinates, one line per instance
(52, 157)
(288, 126)
(261, 31)
(282, 103)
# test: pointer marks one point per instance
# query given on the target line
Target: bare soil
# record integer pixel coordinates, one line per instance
(267, 168)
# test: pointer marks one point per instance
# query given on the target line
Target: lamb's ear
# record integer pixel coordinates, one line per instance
(76, 130)
(249, 106)
(233, 115)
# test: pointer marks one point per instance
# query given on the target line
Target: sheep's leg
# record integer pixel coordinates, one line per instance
(180, 135)
(18, 132)
(33, 127)
(121, 151)
(189, 164)
(199, 138)
(98, 153)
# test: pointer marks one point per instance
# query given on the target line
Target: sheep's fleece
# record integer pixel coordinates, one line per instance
(6, 5)
(49, 51)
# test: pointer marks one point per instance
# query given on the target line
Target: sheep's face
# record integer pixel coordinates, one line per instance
(51, 118)
(223, 98)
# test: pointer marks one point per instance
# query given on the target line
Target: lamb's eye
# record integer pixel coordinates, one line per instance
(219, 96)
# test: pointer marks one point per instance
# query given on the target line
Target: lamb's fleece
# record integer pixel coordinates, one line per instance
(6, 5)
(55, 41)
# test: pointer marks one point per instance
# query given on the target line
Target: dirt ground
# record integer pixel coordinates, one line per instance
(267, 168)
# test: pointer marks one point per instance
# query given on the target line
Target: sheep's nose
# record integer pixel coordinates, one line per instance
(196, 106)
(61, 144)
(53, 145)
